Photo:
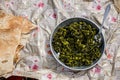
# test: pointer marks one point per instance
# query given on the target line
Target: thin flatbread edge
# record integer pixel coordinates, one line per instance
(13, 27)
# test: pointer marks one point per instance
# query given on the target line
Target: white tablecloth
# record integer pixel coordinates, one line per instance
(36, 58)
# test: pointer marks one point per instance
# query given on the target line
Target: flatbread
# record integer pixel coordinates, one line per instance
(11, 30)
(9, 40)
(8, 21)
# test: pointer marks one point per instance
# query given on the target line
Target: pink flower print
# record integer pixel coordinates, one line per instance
(98, 7)
(30, 67)
(62, 69)
(113, 19)
(48, 45)
(35, 4)
(49, 76)
(7, 5)
(54, 15)
(34, 34)
(37, 29)
(12, 2)
(97, 69)
(41, 5)
(49, 52)
(35, 60)
(34, 67)
(98, 1)
(109, 56)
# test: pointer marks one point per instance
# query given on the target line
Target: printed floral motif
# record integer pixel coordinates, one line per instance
(49, 52)
(36, 32)
(98, 1)
(98, 7)
(35, 60)
(109, 56)
(49, 76)
(48, 45)
(12, 2)
(62, 69)
(67, 4)
(35, 63)
(40, 5)
(34, 67)
(113, 19)
(9, 3)
(97, 69)
(54, 15)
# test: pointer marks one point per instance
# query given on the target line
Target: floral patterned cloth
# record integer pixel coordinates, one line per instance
(36, 59)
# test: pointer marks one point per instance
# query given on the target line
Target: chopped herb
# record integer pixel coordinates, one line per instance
(76, 44)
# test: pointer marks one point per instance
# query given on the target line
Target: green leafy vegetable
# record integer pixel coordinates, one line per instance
(76, 44)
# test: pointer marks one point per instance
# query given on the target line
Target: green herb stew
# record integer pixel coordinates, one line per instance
(77, 44)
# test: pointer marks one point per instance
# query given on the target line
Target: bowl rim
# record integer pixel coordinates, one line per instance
(54, 53)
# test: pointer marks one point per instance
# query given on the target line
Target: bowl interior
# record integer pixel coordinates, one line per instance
(67, 22)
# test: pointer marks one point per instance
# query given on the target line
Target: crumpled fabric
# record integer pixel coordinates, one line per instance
(36, 59)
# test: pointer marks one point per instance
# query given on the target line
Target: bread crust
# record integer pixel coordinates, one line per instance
(11, 30)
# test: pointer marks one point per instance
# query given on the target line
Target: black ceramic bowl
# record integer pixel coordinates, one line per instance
(67, 22)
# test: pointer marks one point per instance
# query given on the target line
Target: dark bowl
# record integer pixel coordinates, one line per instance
(67, 22)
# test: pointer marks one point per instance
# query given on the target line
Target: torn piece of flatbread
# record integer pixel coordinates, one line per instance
(11, 28)
(8, 21)
(9, 40)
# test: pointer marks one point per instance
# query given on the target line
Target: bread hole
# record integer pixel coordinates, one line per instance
(4, 61)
